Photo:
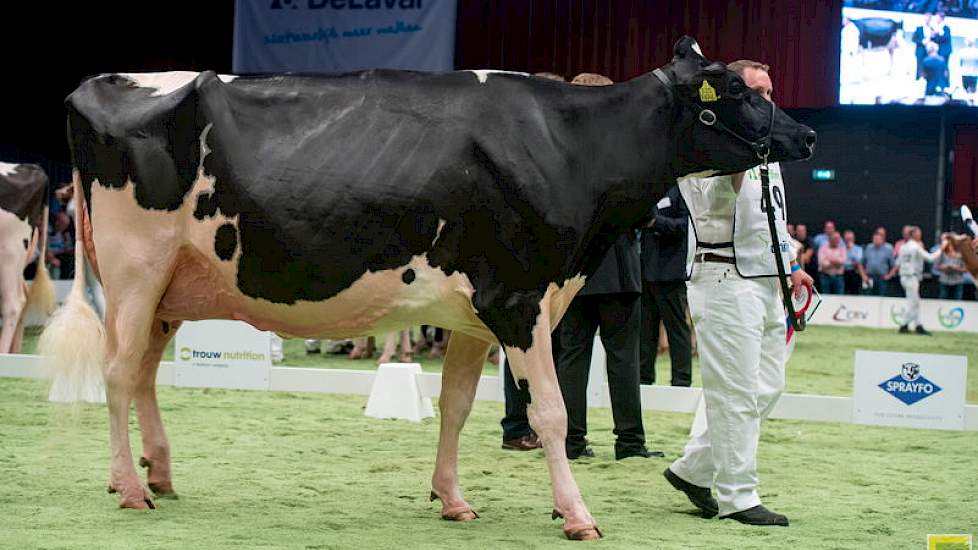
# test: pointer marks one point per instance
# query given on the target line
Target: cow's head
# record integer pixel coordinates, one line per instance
(724, 126)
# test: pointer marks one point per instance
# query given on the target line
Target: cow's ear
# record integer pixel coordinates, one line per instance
(687, 48)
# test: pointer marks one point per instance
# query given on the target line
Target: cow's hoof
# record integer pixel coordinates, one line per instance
(162, 488)
(139, 499)
(462, 512)
(584, 533)
(579, 532)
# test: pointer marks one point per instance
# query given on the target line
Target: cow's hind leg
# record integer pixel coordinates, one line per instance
(548, 418)
(460, 377)
(129, 323)
(156, 447)
(12, 301)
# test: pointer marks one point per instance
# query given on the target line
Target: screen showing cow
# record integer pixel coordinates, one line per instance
(911, 52)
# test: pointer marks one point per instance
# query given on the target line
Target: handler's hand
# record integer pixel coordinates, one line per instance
(801, 279)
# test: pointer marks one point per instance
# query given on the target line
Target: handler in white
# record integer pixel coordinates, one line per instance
(735, 302)
(910, 261)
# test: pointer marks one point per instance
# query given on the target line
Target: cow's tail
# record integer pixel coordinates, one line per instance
(73, 341)
(41, 297)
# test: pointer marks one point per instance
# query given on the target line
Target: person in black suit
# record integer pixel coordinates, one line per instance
(610, 300)
(664, 248)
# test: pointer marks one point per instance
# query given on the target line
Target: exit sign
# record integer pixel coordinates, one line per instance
(822, 174)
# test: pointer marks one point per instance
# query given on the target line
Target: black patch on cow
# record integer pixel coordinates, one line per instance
(332, 177)
(408, 276)
(26, 244)
(153, 141)
(165, 327)
(24, 193)
(206, 206)
(225, 241)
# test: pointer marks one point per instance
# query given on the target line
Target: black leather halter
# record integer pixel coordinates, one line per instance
(761, 148)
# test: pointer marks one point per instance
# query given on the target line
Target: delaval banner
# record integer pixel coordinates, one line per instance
(330, 36)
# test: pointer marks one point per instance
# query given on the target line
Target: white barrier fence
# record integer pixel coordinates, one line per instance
(876, 312)
(816, 408)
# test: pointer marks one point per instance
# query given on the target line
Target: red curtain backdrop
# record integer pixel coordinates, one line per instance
(964, 183)
(625, 38)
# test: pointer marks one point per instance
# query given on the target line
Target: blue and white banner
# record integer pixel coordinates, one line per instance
(329, 36)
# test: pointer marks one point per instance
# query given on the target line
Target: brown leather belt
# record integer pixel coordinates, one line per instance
(711, 257)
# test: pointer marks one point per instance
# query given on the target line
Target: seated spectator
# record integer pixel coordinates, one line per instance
(879, 264)
(831, 265)
(854, 262)
(951, 269)
(61, 248)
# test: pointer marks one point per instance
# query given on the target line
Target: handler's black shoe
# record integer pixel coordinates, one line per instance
(921, 330)
(641, 452)
(758, 515)
(699, 496)
(904, 329)
(586, 452)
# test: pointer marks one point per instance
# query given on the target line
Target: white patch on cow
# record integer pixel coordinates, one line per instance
(13, 232)
(441, 224)
(167, 83)
(6, 168)
(696, 48)
(483, 74)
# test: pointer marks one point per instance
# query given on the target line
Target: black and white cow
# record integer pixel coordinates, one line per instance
(338, 206)
(877, 32)
(23, 224)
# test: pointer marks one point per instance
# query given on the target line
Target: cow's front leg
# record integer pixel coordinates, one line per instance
(548, 418)
(460, 378)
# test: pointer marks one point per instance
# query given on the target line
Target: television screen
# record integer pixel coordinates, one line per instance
(912, 52)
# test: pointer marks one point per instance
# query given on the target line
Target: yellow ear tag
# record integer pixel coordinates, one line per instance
(707, 93)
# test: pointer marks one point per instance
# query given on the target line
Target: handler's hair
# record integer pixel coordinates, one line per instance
(550, 76)
(741, 65)
(592, 79)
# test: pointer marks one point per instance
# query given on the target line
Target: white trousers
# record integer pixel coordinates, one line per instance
(911, 287)
(740, 330)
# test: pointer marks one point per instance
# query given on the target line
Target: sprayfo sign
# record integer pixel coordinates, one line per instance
(222, 354)
(317, 36)
(913, 390)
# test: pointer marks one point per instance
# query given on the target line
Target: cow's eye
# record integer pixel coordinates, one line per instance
(736, 88)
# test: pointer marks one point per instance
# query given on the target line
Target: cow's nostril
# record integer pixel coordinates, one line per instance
(810, 138)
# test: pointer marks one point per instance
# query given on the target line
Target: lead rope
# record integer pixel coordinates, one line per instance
(798, 322)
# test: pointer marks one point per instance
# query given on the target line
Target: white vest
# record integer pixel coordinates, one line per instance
(751, 236)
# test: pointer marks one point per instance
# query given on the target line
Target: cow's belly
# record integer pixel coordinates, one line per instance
(377, 302)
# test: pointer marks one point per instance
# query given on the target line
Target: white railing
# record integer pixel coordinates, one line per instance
(817, 408)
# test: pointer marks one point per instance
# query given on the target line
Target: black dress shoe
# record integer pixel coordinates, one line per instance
(904, 329)
(921, 330)
(699, 496)
(526, 443)
(758, 515)
(586, 452)
(641, 453)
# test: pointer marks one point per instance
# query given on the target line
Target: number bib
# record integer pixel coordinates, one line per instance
(752, 236)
